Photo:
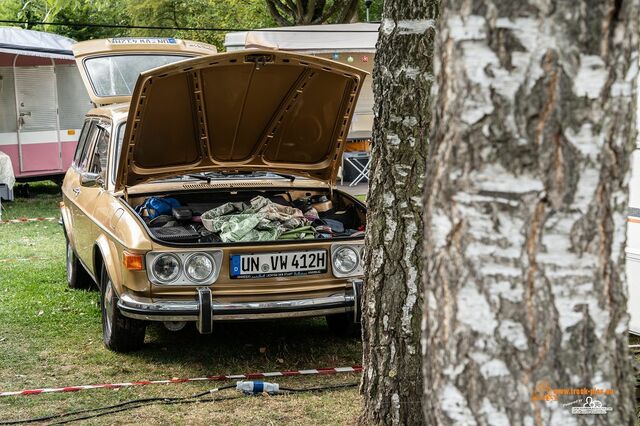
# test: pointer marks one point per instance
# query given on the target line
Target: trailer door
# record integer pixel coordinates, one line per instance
(37, 115)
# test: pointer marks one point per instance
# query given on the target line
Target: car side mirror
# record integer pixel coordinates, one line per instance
(91, 180)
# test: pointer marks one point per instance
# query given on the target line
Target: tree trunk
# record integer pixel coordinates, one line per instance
(392, 305)
(526, 200)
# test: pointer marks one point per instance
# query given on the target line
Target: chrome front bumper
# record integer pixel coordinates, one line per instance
(204, 310)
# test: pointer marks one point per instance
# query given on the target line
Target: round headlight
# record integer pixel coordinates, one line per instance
(166, 267)
(345, 260)
(199, 267)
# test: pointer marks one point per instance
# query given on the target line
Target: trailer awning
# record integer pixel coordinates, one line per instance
(16, 41)
(359, 37)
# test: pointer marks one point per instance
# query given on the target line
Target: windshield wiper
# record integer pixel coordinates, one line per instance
(208, 176)
(285, 176)
(200, 177)
(259, 174)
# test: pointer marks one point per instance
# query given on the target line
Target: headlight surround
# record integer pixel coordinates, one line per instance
(193, 269)
(345, 260)
(166, 268)
(199, 267)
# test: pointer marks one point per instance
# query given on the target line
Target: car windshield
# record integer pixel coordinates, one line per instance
(116, 75)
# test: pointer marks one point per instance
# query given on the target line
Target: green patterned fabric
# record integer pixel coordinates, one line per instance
(303, 233)
(261, 220)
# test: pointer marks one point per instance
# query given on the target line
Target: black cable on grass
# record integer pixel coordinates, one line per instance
(141, 401)
(137, 403)
(133, 407)
(157, 27)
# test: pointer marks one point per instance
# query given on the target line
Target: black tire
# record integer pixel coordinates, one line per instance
(342, 325)
(77, 277)
(119, 333)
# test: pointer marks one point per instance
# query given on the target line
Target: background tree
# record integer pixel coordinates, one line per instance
(392, 305)
(198, 13)
(171, 13)
(310, 12)
(526, 199)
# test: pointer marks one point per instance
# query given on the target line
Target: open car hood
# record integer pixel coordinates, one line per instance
(239, 112)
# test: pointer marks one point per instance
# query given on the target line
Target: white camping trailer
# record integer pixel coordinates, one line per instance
(352, 44)
(42, 102)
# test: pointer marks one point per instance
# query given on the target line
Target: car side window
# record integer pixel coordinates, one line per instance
(82, 142)
(117, 152)
(100, 153)
(87, 150)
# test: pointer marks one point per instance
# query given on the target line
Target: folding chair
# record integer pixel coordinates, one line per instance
(361, 162)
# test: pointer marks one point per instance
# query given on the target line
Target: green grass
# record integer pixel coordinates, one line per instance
(51, 336)
(40, 200)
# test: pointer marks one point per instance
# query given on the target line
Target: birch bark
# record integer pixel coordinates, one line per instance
(392, 306)
(526, 196)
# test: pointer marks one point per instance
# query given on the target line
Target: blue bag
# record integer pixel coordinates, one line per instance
(155, 206)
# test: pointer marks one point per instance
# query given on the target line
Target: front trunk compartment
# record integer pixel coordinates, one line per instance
(249, 216)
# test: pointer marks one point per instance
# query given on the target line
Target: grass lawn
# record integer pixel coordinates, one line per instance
(51, 336)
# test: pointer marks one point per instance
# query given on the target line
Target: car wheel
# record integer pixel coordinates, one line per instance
(120, 333)
(77, 277)
(342, 325)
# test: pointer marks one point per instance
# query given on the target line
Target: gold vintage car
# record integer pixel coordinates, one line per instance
(204, 189)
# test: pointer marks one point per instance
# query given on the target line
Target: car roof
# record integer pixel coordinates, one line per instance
(115, 112)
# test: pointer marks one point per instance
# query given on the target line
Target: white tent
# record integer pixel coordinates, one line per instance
(35, 43)
(357, 38)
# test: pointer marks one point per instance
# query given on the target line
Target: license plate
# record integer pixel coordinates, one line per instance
(278, 264)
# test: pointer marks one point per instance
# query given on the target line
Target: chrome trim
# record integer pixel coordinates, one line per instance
(183, 255)
(302, 314)
(189, 310)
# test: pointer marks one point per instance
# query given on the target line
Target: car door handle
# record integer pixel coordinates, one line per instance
(76, 191)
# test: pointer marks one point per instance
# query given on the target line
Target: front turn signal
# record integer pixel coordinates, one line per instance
(133, 262)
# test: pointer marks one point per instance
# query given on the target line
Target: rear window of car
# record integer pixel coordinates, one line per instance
(116, 75)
